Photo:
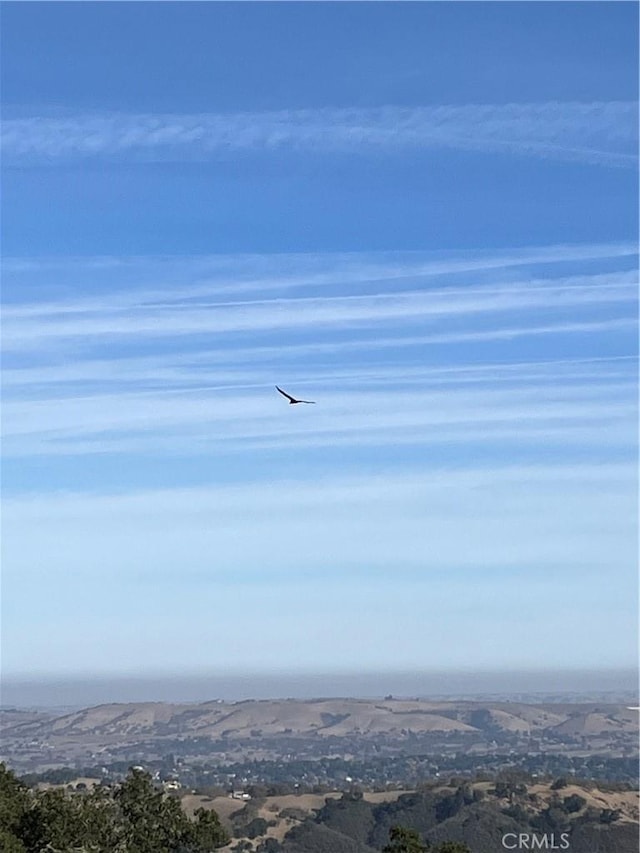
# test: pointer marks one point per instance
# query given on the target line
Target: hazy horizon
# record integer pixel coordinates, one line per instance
(200, 687)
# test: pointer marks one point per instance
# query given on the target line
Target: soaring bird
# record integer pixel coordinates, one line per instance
(292, 400)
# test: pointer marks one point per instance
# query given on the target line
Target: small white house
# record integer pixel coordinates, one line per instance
(240, 795)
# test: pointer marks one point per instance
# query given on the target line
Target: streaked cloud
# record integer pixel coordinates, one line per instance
(602, 133)
(139, 363)
(107, 318)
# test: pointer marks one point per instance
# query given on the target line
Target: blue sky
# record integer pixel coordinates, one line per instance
(423, 216)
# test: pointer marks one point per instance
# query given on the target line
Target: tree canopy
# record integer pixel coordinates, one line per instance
(132, 817)
(403, 840)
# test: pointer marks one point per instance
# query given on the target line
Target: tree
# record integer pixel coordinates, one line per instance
(503, 789)
(133, 818)
(153, 823)
(9, 843)
(270, 845)
(149, 822)
(208, 833)
(97, 820)
(402, 840)
(14, 805)
(54, 820)
(573, 803)
(609, 815)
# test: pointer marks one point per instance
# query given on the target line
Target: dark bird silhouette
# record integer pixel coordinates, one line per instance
(292, 400)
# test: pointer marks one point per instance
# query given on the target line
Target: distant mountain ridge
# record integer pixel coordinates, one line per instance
(319, 718)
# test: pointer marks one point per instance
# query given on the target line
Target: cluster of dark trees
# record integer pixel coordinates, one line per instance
(454, 819)
(132, 817)
(403, 840)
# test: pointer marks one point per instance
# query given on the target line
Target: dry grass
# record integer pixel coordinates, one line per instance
(624, 801)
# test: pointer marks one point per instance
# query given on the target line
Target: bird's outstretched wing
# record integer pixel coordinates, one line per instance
(288, 396)
(293, 399)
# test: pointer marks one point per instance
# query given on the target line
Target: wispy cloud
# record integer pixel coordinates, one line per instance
(601, 133)
(251, 369)
(308, 269)
(195, 363)
(25, 327)
(187, 422)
